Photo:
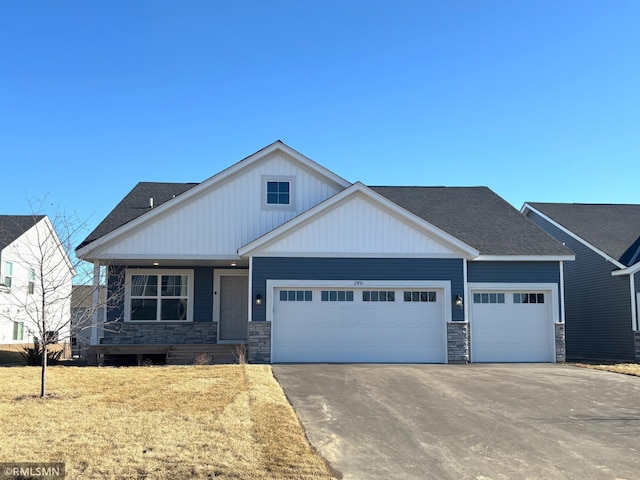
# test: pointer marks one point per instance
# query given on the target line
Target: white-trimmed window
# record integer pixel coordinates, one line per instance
(8, 274)
(18, 330)
(31, 286)
(159, 295)
(278, 192)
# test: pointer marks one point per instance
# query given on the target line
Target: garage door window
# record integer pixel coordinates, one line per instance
(296, 296)
(378, 296)
(420, 296)
(336, 296)
(528, 298)
(488, 298)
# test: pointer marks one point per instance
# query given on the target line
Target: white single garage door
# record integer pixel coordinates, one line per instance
(358, 325)
(512, 326)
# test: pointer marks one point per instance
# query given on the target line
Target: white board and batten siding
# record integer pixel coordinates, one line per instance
(38, 249)
(357, 226)
(226, 216)
(507, 327)
(313, 329)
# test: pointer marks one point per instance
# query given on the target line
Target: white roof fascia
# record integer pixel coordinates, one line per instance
(210, 182)
(358, 187)
(358, 255)
(524, 258)
(627, 270)
(147, 256)
(526, 207)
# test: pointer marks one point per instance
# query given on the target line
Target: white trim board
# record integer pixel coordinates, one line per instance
(523, 258)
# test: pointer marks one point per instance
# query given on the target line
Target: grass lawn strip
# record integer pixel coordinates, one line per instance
(156, 423)
(626, 368)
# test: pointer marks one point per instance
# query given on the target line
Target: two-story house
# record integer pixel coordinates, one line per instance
(33, 267)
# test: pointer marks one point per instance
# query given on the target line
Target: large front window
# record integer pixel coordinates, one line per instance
(159, 296)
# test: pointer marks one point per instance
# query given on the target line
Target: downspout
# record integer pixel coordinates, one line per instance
(465, 289)
(634, 307)
(562, 317)
(250, 313)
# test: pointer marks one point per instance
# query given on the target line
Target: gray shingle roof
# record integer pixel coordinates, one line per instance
(478, 217)
(12, 226)
(475, 215)
(135, 203)
(614, 229)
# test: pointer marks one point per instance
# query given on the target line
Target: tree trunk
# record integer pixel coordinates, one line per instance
(43, 372)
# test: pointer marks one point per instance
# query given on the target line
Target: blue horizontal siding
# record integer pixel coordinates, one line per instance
(513, 272)
(597, 305)
(276, 268)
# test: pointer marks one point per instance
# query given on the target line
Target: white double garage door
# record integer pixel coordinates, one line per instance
(405, 323)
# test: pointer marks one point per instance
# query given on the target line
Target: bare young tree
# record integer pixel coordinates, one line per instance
(44, 268)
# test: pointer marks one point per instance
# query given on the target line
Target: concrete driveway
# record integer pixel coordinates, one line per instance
(469, 421)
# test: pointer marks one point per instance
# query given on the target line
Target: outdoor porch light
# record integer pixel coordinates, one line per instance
(459, 301)
(258, 299)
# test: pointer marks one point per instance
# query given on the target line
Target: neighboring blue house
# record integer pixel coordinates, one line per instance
(284, 255)
(602, 287)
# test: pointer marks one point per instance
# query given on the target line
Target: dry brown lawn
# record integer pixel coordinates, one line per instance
(626, 368)
(227, 422)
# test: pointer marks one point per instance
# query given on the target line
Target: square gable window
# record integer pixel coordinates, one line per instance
(278, 193)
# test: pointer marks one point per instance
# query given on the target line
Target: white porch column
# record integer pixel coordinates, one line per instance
(94, 302)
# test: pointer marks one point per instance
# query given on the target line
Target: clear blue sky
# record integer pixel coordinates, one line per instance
(539, 100)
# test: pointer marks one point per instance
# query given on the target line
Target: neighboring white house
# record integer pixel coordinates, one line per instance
(35, 281)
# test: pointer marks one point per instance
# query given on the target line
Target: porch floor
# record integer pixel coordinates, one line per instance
(195, 354)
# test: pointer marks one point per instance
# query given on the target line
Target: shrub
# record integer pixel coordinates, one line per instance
(203, 359)
(33, 355)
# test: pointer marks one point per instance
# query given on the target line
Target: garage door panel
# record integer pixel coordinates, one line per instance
(329, 353)
(357, 330)
(512, 332)
(522, 354)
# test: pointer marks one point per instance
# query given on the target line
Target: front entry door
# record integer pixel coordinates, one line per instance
(233, 307)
